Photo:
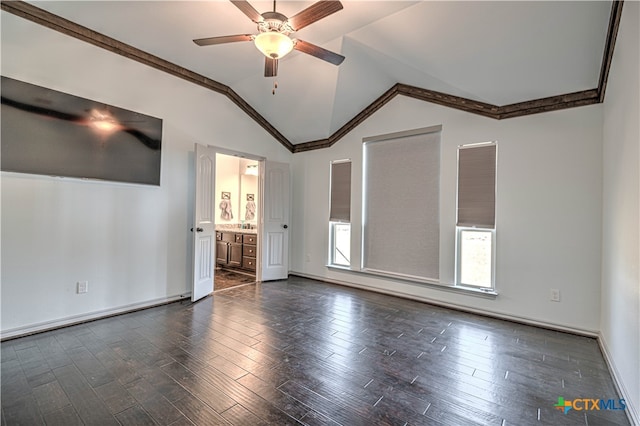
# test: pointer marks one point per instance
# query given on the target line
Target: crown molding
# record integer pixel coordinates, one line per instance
(607, 57)
(70, 28)
(535, 106)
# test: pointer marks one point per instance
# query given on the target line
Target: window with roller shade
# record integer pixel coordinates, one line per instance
(476, 211)
(340, 214)
(401, 205)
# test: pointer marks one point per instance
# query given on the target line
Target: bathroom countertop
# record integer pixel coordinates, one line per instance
(235, 230)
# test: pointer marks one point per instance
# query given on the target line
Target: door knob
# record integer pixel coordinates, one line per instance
(285, 226)
(199, 229)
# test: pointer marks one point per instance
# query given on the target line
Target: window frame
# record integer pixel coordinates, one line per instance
(478, 228)
(332, 245)
(334, 223)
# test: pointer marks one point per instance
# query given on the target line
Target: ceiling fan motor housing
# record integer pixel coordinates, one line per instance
(274, 22)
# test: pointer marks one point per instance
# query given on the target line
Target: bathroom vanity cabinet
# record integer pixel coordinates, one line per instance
(249, 249)
(236, 250)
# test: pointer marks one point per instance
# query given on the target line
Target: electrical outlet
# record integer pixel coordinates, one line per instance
(554, 295)
(83, 287)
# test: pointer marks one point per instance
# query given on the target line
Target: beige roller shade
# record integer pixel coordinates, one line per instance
(401, 234)
(477, 185)
(340, 210)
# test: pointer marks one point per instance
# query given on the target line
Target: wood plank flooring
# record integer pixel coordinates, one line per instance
(299, 351)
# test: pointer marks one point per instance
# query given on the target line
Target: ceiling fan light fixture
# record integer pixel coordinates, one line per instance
(273, 44)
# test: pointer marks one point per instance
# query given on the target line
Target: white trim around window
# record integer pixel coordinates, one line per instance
(340, 214)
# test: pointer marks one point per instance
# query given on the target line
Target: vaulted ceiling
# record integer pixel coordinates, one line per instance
(494, 58)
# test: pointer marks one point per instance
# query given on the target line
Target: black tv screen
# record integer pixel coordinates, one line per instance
(47, 132)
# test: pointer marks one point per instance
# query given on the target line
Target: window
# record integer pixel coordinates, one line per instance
(475, 230)
(401, 205)
(340, 244)
(475, 257)
(340, 214)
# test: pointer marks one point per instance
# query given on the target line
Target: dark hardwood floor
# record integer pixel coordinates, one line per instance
(302, 352)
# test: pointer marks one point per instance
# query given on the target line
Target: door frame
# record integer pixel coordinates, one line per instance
(261, 161)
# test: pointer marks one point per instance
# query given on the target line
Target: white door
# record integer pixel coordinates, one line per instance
(275, 225)
(204, 233)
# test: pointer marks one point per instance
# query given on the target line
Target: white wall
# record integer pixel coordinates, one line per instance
(131, 242)
(133, 246)
(231, 177)
(548, 209)
(248, 185)
(228, 180)
(620, 318)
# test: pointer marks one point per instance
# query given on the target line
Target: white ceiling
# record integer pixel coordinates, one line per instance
(496, 52)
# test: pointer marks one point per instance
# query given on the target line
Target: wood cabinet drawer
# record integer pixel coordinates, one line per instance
(249, 251)
(250, 239)
(249, 263)
(226, 236)
(218, 236)
(238, 238)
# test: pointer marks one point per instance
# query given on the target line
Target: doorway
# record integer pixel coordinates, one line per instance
(238, 200)
(269, 255)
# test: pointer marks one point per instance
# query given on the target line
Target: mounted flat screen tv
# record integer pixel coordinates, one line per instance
(47, 132)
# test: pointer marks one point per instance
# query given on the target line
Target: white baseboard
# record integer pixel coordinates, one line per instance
(632, 411)
(465, 308)
(78, 319)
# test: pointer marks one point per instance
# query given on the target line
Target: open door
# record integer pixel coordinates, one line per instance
(275, 224)
(204, 232)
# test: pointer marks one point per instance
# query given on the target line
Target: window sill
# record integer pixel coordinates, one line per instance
(340, 268)
(484, 292)
(471, 291)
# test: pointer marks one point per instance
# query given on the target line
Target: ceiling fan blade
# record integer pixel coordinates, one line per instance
(223, 39)
(248, 10)
(270, 67)
(318, 52)
(314, 13)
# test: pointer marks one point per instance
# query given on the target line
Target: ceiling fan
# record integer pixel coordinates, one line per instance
(274, 29)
